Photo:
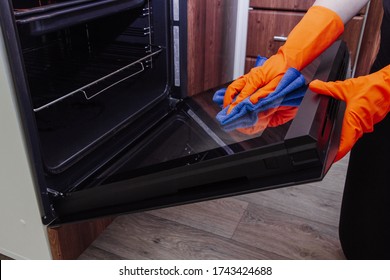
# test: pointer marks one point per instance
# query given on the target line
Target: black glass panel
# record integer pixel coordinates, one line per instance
(193, 134)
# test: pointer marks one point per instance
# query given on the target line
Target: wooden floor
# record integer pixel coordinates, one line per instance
(3, 258)
(299, 222)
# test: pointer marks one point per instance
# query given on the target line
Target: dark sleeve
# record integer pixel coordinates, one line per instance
(383, 57)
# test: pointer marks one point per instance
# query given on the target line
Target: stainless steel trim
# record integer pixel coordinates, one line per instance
(280, 38)
(176, 51)
(176, 10)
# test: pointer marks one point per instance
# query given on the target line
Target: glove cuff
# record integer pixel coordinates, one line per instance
(317, 30)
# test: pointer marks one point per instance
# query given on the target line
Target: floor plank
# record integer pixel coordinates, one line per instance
(144, 236)
(220, 216)
(4, 258)
(318, 201)
(287, 235)
(94, 253)
(306, 201)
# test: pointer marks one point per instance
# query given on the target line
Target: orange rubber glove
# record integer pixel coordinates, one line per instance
(368, 102)
(317, 30)
(271, 118)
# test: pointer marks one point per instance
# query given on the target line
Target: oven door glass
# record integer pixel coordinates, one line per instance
(190, 156)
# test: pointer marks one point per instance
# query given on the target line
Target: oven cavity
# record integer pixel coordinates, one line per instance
(92, 68)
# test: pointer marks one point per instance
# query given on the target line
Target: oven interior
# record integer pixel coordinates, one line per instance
(96, 73)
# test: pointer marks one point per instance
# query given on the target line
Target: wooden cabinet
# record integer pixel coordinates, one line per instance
(371, 38)
(264, 27)
(294, 5)
(67, 242)
(211, 40)
(272, 20)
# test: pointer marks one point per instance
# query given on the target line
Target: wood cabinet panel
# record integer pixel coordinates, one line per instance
(295, 5)
(264, 25)
(352, 35)
(68, 241)
(371, 38)
(249, 63)
(291, 5)
(211, 37)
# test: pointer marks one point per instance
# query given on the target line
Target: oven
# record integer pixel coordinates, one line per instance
(110, 129)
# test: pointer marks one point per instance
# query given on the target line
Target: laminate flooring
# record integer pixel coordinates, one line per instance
(3, 258)
(299, 222)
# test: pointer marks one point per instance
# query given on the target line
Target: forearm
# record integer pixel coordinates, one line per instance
(346, 9)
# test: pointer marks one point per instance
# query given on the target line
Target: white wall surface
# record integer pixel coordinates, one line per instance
(241, 34)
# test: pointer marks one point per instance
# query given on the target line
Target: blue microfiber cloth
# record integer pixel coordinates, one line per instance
(289, 92)
(249, 120)
(219, 94)
(251, 117)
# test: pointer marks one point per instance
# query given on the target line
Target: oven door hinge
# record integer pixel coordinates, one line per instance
(50, 213)
(173, 102)
(54, 193)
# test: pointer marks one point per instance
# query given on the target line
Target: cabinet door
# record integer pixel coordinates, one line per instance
(267, 28)
(264, 26)
(292, 5)
(296, 5)
(352, 36)
(211, 41)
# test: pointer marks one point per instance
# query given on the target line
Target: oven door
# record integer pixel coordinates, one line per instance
(190, 157)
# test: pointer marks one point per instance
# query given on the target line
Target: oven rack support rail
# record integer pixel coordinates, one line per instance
(140, 62)
(47, 18)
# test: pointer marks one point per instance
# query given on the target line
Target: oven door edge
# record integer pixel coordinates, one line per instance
(226, 176)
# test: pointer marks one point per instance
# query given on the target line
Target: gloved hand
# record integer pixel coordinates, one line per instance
(317, 30)
(368, 102)
(271, 118)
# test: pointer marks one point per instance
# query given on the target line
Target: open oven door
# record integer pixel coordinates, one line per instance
(190, 157)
